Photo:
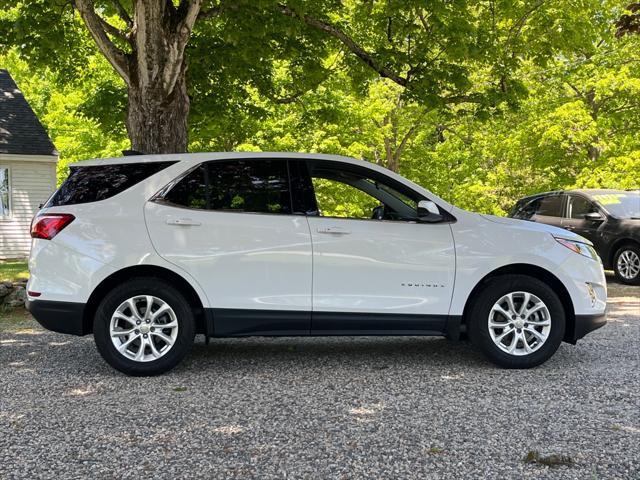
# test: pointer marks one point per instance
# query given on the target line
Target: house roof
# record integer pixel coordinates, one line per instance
(21, 132)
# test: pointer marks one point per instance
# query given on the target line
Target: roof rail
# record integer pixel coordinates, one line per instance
(130, 153)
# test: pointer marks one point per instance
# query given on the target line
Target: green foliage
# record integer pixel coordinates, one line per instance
(500, 99)
(12, 271)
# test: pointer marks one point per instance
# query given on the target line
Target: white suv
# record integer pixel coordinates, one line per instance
(147, 251)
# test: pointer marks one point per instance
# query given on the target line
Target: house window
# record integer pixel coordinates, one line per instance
(5, 194)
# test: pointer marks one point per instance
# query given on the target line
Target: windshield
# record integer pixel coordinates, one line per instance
(621, 205)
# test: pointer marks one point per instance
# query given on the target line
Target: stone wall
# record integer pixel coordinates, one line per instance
(13, 294)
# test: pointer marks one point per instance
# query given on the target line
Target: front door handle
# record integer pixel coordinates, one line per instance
(334, 230)
(183, 222)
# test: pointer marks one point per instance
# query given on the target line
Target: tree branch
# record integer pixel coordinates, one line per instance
(116, 57)
(110, 29)
(122, 13)
(191, 9)
(210, 13)
(351, 44)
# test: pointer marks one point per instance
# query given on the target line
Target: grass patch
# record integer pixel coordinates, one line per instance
(180, 389)
(435, 451)
(13, 270)
(553, 460)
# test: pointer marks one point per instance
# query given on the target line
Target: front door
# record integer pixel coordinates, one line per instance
(376, 269)
(575, 221)
(230, 224)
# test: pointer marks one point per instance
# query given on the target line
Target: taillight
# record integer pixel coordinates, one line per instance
(49, 225)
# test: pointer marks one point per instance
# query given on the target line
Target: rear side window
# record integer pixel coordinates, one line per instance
(257, 186)
(550, 206)
(524, 210)
(99, 182)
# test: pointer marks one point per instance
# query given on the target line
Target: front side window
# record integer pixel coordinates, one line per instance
(578, 207)
(550, 206)
(99, 182)
(253, 186)
(5, 194)
(352, 193)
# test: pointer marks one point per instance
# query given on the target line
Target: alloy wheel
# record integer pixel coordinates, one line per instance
(519, 323)
(143, 328)
(628, 264)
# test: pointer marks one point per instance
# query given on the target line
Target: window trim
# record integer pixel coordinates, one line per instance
(8, 216)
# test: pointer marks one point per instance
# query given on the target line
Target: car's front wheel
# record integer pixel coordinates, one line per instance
(626, 264)
(144, 327)
(517, 321)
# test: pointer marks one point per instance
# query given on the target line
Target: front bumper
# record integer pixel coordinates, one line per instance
(587, 323)
(61, 317)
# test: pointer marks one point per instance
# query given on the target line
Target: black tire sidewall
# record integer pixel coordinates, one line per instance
(144, 286)
(620, 278)
(483, 303)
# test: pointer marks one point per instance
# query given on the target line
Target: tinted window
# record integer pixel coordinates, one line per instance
(550, 206)
(259, 186)
(191, 191)
(524, 210)
(95, 183)
(579, 207)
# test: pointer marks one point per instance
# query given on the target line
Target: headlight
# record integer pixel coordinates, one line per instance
(579, 247)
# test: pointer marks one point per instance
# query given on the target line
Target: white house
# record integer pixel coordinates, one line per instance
(27, 168)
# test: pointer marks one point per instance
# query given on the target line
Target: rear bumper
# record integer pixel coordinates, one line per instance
(61, 317)
(587, 323)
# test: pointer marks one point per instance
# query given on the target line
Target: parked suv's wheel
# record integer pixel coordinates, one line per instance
(517, 321)
(626, 264)
(144, 327)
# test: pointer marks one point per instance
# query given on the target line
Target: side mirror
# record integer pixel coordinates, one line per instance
(594, 217)
(428, 212)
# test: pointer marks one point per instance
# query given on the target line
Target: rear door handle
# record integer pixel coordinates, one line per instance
(334, 230)
(183, 222)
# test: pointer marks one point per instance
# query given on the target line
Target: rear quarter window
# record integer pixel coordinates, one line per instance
(99, 182)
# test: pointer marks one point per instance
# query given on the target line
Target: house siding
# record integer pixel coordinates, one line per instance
(31, 183)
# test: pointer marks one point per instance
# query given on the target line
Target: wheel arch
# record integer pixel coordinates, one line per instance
(125, 274)
(535, 272)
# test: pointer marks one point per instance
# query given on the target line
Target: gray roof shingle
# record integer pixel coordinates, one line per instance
(20, 130)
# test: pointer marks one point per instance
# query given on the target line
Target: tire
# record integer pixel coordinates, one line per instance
(158, 355)
(498, 289)
(626, 264)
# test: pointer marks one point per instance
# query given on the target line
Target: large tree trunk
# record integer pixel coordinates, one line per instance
(156, 122)
(154, 70)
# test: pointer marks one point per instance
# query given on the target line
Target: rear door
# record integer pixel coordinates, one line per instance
(231, 225)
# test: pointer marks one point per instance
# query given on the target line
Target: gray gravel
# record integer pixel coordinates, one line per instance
(322, 408)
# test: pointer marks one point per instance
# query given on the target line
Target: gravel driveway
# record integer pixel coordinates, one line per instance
(323, 408)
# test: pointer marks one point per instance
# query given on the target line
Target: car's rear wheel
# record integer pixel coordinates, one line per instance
(144, 327)
(517, 321)
(626, 264)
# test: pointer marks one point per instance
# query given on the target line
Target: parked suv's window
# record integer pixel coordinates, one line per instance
(527, 209)
(99, 182)
(550, 206)
(579, 207)
(258, 186)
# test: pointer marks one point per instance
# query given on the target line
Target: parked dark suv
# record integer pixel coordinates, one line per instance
(609, 218)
